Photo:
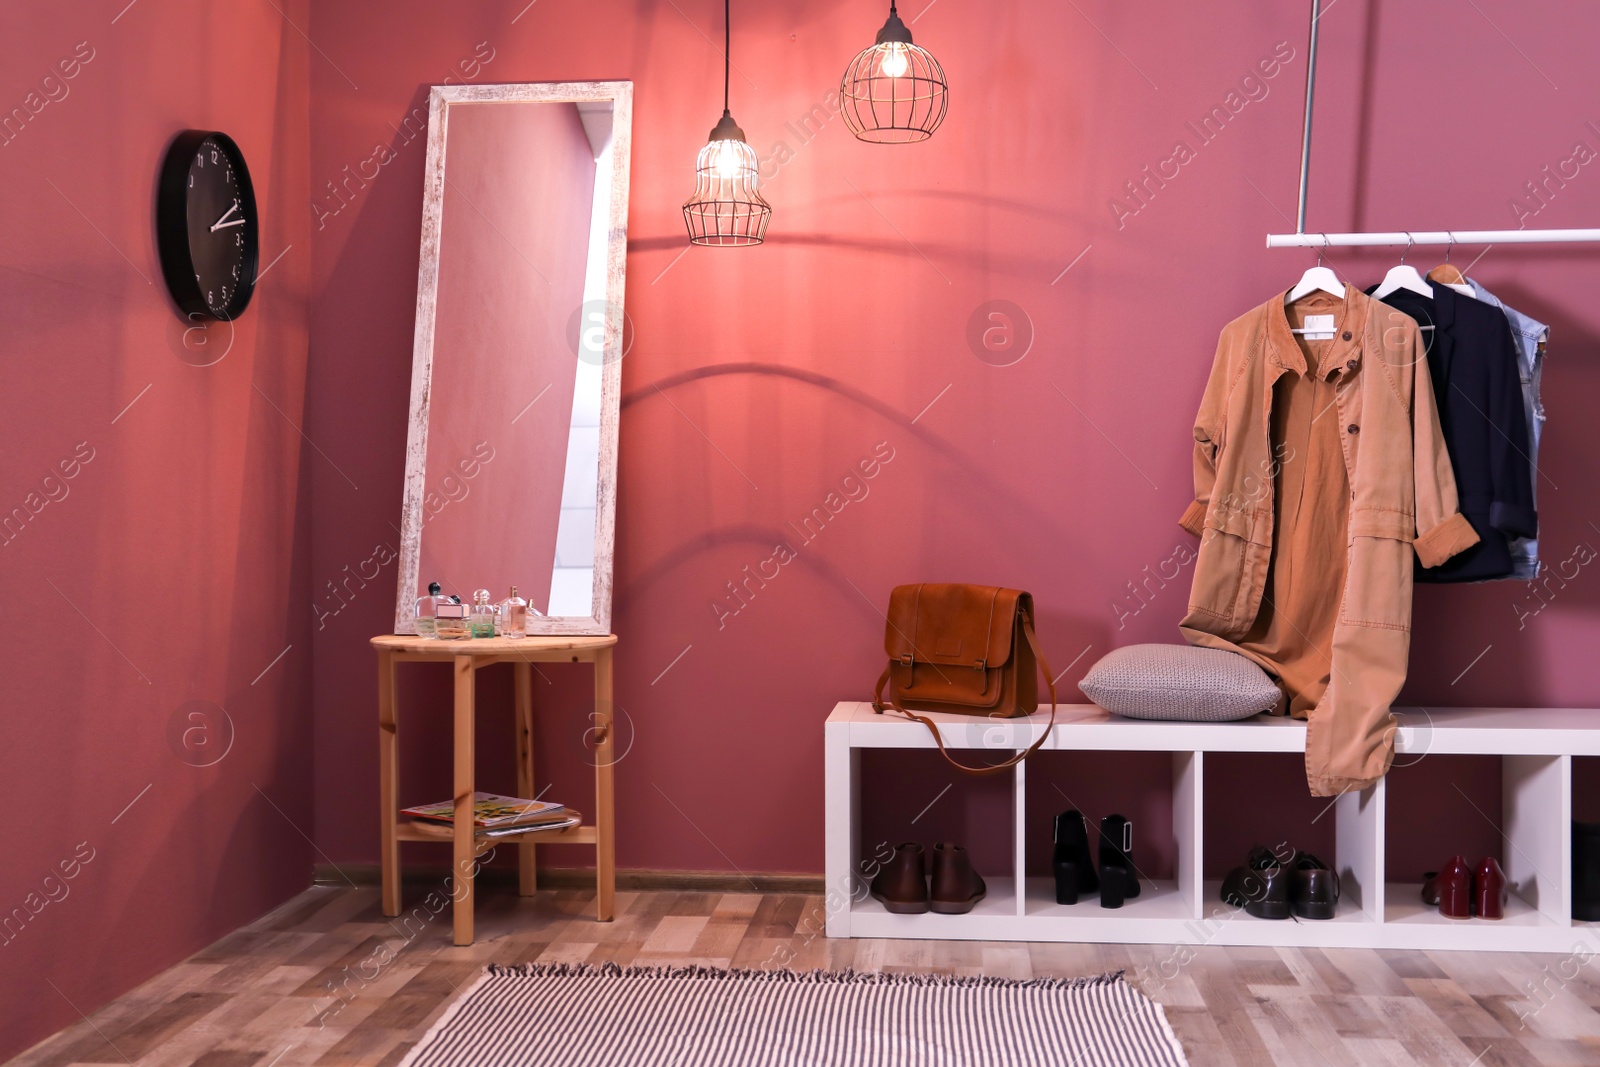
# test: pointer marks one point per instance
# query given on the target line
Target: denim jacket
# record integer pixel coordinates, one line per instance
(1529, 335)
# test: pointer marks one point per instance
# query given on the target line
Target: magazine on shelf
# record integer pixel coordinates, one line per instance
(572, 819)
(491, 810)
(446, 832)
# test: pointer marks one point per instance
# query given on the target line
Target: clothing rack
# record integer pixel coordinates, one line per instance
(1301, 239)
(1430, 237)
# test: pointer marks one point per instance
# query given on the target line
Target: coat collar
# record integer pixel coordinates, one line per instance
(1343, 353)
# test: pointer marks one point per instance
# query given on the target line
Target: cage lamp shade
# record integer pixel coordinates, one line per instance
(727, 208)
(895, 91)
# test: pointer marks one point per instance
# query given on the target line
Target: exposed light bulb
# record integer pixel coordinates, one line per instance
(895, 61)
(728, 162)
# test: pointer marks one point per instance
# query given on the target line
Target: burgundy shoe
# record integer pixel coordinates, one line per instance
(1489, 889)
(902, 885)
(956, 886)
(1455, 889)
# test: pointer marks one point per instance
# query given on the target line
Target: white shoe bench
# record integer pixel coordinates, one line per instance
(1536, 747)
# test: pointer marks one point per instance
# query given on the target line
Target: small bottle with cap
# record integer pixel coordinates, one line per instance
(481, 618)
(513, 620)
(426, 611)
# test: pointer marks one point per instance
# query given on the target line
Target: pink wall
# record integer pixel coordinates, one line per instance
(163, 568)
(511, 267)
(760, 378)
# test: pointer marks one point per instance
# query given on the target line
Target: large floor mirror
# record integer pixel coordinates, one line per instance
(511, 458)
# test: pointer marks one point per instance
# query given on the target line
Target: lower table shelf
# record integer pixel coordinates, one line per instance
(415, 830)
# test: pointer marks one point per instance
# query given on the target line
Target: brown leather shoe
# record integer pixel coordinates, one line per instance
(956, 886)
(902, 885)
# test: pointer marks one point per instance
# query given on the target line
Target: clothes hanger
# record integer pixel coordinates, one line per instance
(1447, 273)
(1403, 276)
(1316, 279)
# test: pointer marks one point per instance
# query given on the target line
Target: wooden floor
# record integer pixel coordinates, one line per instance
(326, 979)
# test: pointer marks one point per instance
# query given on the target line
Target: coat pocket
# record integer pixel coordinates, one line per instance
(1231, 571)
(1377, 584)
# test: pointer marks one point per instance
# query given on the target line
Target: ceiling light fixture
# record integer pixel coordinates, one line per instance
(727, 208)
(893, 92)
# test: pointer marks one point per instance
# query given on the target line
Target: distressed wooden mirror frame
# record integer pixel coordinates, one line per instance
(620, 95)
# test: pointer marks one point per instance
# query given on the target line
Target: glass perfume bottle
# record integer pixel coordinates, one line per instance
(425, 611)
(450, 619)
(482, 615)
(513, 616)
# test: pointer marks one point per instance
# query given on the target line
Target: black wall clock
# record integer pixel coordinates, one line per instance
(206, 226)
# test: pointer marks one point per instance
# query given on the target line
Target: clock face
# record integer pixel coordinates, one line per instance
(207, 226)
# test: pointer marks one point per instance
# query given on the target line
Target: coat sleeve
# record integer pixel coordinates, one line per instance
(1209, 431)
(1442, 531)
(1512, 510)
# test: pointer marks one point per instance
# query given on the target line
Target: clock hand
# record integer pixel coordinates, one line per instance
(221, 223)
(225, 225)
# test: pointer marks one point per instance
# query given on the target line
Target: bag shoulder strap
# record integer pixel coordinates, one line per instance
(993, 768)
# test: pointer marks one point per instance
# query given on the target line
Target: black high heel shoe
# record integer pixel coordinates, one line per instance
(1073, 865)
(1118, 879)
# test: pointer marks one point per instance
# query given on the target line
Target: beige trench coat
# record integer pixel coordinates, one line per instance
(1403, 500)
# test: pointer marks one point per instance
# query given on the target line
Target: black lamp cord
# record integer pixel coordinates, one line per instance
(727, 46)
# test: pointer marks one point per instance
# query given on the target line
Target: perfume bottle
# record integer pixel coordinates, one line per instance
(513, 616)
(450, 620)
(482, 615)
(425, 610)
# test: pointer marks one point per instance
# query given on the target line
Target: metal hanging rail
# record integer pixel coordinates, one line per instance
(1430, 237)
(1301, 239)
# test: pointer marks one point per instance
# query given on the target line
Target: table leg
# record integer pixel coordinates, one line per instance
(462, 874)
(527, 873)
(605, 852)
(388, 783)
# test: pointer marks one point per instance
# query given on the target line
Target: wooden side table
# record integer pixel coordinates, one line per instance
(468, 657)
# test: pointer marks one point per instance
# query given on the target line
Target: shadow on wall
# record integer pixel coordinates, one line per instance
(923, 251)
(981, 477)
(1084, 631)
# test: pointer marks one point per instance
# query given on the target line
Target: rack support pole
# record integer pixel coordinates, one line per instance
(1311, 92)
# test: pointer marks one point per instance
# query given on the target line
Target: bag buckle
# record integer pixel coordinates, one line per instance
(981, 665)
(906, 660)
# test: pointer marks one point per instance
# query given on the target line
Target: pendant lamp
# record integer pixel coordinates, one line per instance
(726, 208)
(893, 92)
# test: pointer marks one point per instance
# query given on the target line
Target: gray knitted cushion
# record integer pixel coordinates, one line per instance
(1179, 682)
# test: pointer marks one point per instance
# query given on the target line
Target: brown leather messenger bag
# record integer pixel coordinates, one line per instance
(967, 649)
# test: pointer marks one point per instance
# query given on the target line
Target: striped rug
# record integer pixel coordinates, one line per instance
(565, 1015)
